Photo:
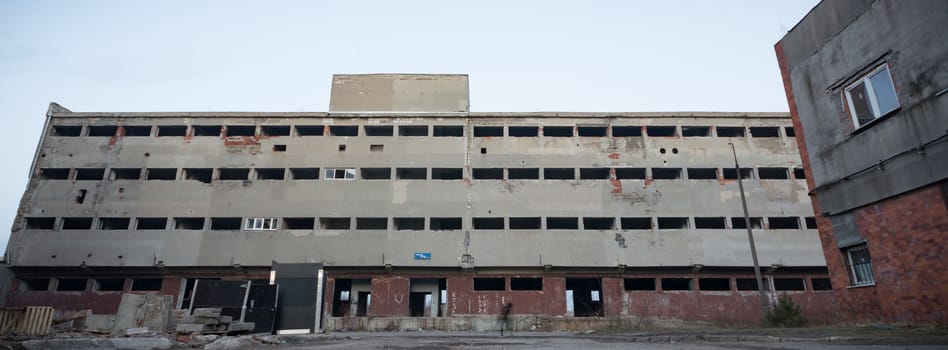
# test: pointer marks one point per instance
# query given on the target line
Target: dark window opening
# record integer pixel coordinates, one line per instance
(274, 130)
(271, 173)
(310, 130)
(71, 284)
(110, 284)
(789, 284)
(376, 173)
(562, 223)
(206, 130)
(799, 174)
(114, 223)
(524, 283)
(559, 174)
(672, 223)
(587, 296)
(447, 173)
(702, 174)
(739, 222)
(225, 224)
(714, 284)
(710, 223)
(279, 148)
(137, 130)
(695, 131)
(488, 173)
(227, 174)
(40, 223)
(639, 283)
(523, 131)
(594, 173)
(241, 130)
(188, 223)
(810, 222)
(731, 173)
(412, 130)
(126, 174)
(90, 174)
(676, 284)
(304, 173)
(821, 284)
(448, 131)
(36, 284)
(523, 174)
(445, 224)
(411, 173)
(172, 130)
(161, 174)
(525, 223)
(489, 283)
(626, 131)
(202, 175)
(660, 131)
(730, 131)
(334, 223)
(409, 224)
(67, 130)
(784, 223)
(342, 148)
(371, 223)
(298, 223)
(376, 148)
(789, 131)
(764, 131)
(146, 284)
(558, 131)
(77, 223)
(749, 284)
(54, 174)
(151, 223)
(773, 173)
(81, 197)
(488, 131)
(343, 130)
(599, 223)
(483, 150)
(636, 223)
(666, 173)
(488, 223)
(103, 130)
(591, 131)
(630, 173)
(379, 130)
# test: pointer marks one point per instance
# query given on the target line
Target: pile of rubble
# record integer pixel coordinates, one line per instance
(210, 321)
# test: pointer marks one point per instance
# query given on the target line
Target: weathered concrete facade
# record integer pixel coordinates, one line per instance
(865, 84)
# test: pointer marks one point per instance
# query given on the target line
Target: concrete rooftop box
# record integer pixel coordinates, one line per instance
(399, 93)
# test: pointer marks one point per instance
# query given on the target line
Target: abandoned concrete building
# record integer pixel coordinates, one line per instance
(401, 209)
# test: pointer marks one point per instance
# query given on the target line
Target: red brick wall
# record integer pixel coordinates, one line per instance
(464, 300)
(389, 296)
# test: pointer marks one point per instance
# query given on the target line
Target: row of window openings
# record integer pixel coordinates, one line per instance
(421, 130)
(98, 284)
(206, 175)
(670, 284)
(418, 223)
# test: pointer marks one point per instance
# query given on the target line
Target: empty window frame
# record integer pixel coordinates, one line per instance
(411, 173)
(109, 284)
(335, 223)
(559, 173)
(274, 130)
(310, 130)
(821, 284)
(488, 223)
(488, 173)
(379, 130)
(633, 284)
(164, 174)
(749, 284)
(371, 223)
(172, 130)
(714, 284)
(702, 173)
(67, 130)
(592, 131)
(558, 131)
(731, 173)
(523, 174)
(71, 284)
(528, 223)
(304, 173)
(872, 96)
(810, 222)
(489, 283)
(409, 224)
(773, 173)
(630, 173)
(54, 173)
(783, 223)
(136, 130)
(666, 173)
(599, 224)
(229, 174)
(270, 173)
(146, 284)
(445, 224)
(151, 223)
(488, 131)
(710, 223)
(672, 223)
(241, 130)
(626, 131)
(765, 131)
(695, 131)
(730, 131)
(77, 223)
(594, 173)
(799, 174)
(376, 173)
(343, 130)
(35, 284)
(660, 131)
(206, 130)
(412, 130)
(526, 283)
(225, 224)
(126, 174)
(677, 284)
(298, 223)
(447, 173)
(523, 131)
(339, 174)
(260, 224)
(560, 223)
(740, 222)
(114, 223)
(448, 131)
(90, 174)
(40, 223)
(103, 130)
(636, 223)
(789, 284)
(189, 223)
(789, 131)
(198, 174)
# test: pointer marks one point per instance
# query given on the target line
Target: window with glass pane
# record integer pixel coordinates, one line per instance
(339, 174)
(860, 265)
(261, 224)
(872, 96)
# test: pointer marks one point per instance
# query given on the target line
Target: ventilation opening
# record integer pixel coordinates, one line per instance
(151, 223)
(594, 173)
(695, 131)
(344, 130)
(810, 222)
(225, 224)
(342, 148)
(483, 150)
(447, 173)
(730, 131)
(789, 284)
(702, 174)
(304, 173)
(676, 284)
(524, 283)
(67, 130)
(666, 173)
(445, 224)
(626, 131)
(36, 284)
(188, 223)
(756, 223)
(630, 173)
(562, 223)
(334, 223)
(525, 223)
(672, 223)
(636, 223)
(161, 174)
(558, 131)
(523, 131)
(298, 223)
(274, 130)
(137, 130)
(40, 223)
(379, 130)
(591, 131)
(310, 130)
(206, 130)
(54, 174)
(376, 148)
(110, 284)
(523, 174)
(81, 196)
(409, 224)
(448, 131)
(271, 173)
(639, 283)
(599, 223)
(492, 283)
(821, 284)
(172, 130)
(412, 130)
(146, 284)
(202, 175)
(660, 131)
(714, 284)
(488, 223)
(731, 173)
(227, 174)
(376, 173)
(90, 174)
(488, 131)
(71, 284)
(748, 283)
(488, 173)
(773, 173)
(710, 223)
(114, 223)
(559, 174)
(584, 297)
(241, 130)
(411, 173)
(799, 174)
(784, 223)
(103, 130)
(126, 174)
(77, 223)
(372, 223)
(789, 131)
(279, 148)
(761, 131)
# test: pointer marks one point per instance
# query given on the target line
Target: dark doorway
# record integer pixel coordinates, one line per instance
(365, 299)
(419, 303)
(586, 296)
(341, 298)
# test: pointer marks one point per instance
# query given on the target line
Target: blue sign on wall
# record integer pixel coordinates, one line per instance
(422, 255)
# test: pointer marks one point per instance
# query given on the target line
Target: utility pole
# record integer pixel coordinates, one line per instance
(764, 305)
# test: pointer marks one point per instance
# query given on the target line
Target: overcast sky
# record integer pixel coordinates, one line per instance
(280, 55)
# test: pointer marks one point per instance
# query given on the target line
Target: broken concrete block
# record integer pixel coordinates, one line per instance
(207, 312)
(188, 328)
(227, 319)
(205, 320)
(137, 331)
(241, 327)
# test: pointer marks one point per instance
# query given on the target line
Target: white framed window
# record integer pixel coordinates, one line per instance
(859, 264)
(872, 96)
(262, 224)
(339, 174)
